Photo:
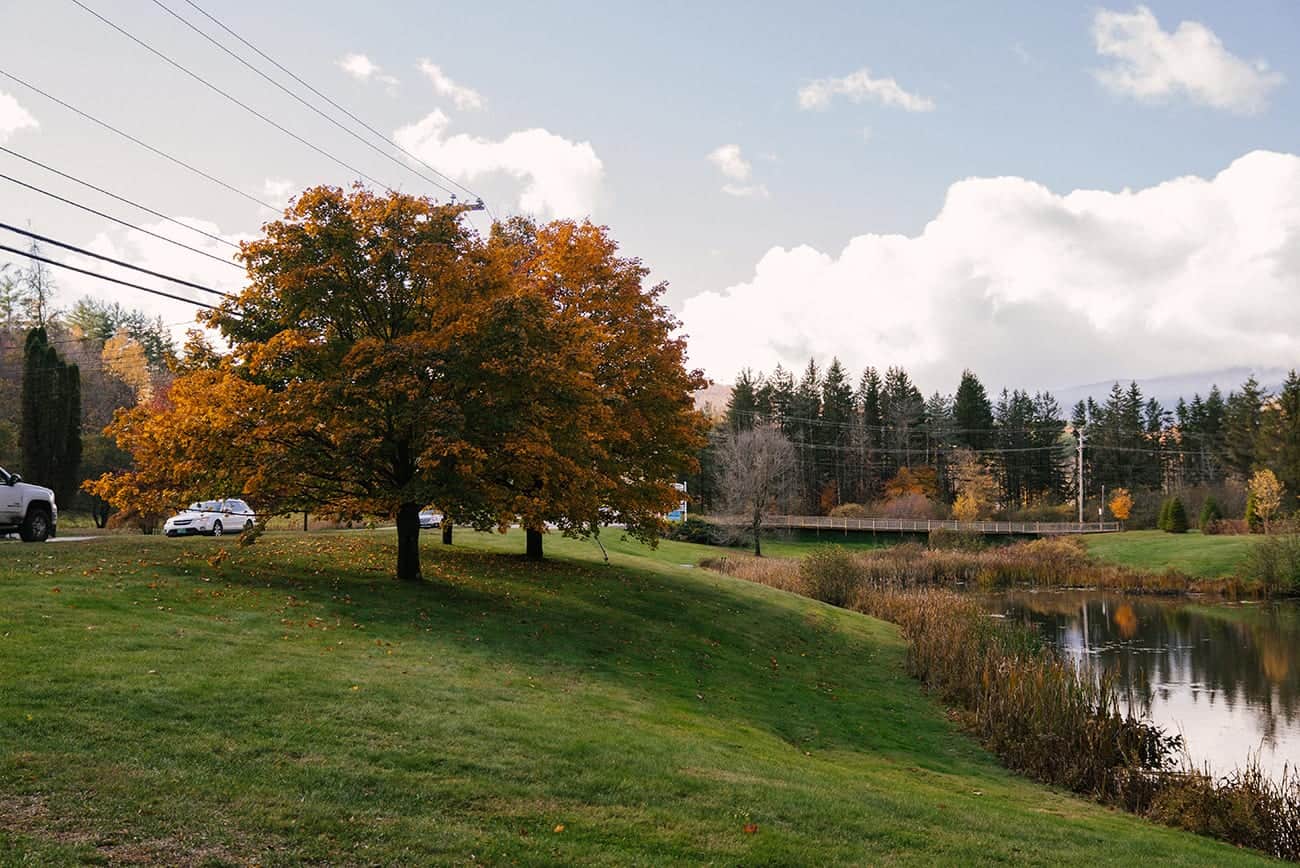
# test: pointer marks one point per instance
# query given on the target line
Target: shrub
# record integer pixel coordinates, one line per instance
(1274, 562)
(1162, 523)
(1209, 512)
(831, 575)
(907, 506)
(693, 530)
(1253, 521)
(1177, 520)
(850, 510)
(959, 540)
(1227, 527)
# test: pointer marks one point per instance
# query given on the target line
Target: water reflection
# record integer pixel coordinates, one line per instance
(1226, 676)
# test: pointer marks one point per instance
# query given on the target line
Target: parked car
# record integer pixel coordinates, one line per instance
(429, 518)
(211, 518)
(26, 509)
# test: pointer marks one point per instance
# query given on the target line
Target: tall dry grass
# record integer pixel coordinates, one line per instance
(1043, 563)
(1039, 713)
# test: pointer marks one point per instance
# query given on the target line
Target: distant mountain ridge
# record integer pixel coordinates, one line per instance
(1167, 390)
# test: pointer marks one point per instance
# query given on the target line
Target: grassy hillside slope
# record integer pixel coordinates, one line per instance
(291, 703)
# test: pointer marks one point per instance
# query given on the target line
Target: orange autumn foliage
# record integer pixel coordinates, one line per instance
(384, 357)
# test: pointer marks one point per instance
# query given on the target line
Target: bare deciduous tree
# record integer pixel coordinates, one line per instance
(756, 475)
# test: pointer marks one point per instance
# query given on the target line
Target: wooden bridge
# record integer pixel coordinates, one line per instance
(921, 525)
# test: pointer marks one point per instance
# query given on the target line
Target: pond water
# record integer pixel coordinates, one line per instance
(1225, 676)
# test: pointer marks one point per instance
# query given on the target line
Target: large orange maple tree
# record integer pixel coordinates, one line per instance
(384, 357)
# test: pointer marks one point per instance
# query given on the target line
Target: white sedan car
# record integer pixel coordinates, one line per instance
(429, 518)
(211, 517)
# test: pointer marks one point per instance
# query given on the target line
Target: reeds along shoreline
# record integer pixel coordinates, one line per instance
(1040, 714)
(1043, 563)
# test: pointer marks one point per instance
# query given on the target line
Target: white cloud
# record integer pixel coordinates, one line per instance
(464, 98)
(1152, 64)
(746, 191)
(561, 178)
(738, 170)
(362, 68)
(729, 161)
(860, 87)
(13, 117)
(1031, 288)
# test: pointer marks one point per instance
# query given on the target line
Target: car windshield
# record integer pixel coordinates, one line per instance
(204, 505)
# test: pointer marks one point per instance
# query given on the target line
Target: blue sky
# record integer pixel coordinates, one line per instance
(634, 97)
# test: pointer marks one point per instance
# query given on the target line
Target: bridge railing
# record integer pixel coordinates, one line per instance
(921, 525)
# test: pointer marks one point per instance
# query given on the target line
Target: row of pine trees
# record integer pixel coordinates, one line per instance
(853, 438)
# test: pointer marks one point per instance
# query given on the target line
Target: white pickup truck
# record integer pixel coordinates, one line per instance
(27, 509)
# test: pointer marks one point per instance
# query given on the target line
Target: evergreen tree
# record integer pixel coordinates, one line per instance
(939, 441)
(1162, 523)
(1209, 512)
(803, 429)
(1243, 417)
(742, 406)
(903, 409)
(1253, 522)
(1279, 445)
(51, 427)
(972, 413)
(836, 432)
(776, 395)
(870, 439)
(1177, 522)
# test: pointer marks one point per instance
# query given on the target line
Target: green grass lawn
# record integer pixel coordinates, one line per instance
(293, 704)
(1193, 553)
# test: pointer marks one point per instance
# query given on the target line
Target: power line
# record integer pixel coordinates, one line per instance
(84, 252)
(304, 102)
(245, 106)
(113, 195)
(166, 156)
(105, 277)
(327, 99)
(119, 221)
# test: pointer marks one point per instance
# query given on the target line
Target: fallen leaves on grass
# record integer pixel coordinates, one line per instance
(751, 828)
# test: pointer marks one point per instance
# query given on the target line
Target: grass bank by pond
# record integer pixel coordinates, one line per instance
(289, 703)
(1193, 553)
(1041, 713)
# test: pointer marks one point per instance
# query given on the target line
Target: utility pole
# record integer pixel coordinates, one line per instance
(1079, 475)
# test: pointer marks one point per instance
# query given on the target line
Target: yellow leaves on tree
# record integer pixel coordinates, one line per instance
(185, 444)
(1121, 504)
(125, 358)
(910, 481)
(977, 490)
(1266, 489)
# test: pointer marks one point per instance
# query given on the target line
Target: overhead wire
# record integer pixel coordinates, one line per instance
(227, 95)
(119, 221)
(120, 198)
(157, 151)
(327, 99)
(37, 257)
(84, 252)
(301, 100)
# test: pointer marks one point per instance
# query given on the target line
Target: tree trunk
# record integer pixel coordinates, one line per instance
(446, 531)
(758, 530)
(408, 542)
(533, 550)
